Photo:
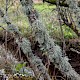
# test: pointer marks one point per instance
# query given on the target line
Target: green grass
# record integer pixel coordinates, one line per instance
(46, 13)
(46, 7)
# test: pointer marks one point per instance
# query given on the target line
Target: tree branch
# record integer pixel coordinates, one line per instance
(73, 50)
(62, 3)
(24, 44)
(46, 43)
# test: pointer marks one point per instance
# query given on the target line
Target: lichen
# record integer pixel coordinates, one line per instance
(73, 6)
(54, 52)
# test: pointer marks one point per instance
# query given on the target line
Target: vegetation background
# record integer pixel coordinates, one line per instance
(13, 62)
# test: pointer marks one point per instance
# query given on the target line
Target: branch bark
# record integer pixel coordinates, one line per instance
(66, 16)
(62, 3)
(73, 50)
(73, 6)
(46, 43)
(36, 63)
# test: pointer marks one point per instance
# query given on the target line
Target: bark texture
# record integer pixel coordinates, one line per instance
(46, 43)
(62, 2)
(73, 6)
(69, 12)
(35, 62)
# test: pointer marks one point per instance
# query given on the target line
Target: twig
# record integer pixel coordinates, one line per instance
(73, 50)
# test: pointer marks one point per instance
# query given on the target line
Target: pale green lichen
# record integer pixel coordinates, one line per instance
(54, 52)
(26, 48)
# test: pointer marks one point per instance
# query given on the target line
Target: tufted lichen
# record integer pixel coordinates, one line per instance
(54, 52)
(23, 43)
